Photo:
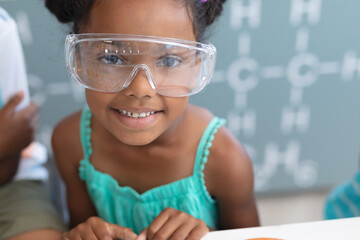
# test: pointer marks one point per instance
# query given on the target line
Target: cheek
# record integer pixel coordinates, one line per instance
(177, 105)
(97, 98)
(89, 94)
(92, 100)
(97, 101)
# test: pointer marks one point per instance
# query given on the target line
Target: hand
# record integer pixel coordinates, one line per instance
(17, 128)
(174, 224)
(97, 229)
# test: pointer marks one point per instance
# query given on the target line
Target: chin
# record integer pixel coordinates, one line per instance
(136, 142)
(139, 143)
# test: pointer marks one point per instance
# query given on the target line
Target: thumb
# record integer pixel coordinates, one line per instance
(14, 101)
(118, 232)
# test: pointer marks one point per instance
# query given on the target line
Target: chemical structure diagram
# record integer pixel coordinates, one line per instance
(245, 17)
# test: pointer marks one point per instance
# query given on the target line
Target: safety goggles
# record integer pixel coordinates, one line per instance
(110, 62)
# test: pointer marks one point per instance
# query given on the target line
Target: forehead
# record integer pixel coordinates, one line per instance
(163, 18)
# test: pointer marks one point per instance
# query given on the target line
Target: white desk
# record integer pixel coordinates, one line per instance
(339, 229)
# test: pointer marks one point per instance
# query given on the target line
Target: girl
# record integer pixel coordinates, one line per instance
(139, 156)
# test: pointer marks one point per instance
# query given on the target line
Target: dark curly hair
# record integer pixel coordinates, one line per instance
(202, 14)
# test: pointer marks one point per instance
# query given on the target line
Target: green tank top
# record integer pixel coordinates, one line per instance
(124, 206)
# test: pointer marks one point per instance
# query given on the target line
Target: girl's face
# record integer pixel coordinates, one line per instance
(158, 114)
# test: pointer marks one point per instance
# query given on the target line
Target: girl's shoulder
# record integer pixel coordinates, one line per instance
(199, 116)
(226, 150)
(66, 135)
(67, 125)
(224, 143)
(228, 160)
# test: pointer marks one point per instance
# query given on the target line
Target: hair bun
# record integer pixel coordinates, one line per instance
(75, 11)
(62, 9)
(213, 10)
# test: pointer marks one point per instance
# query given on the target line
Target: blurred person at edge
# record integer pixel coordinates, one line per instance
(26, 210)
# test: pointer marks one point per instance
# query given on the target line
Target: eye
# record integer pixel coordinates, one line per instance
(169, 61)
(112, 59)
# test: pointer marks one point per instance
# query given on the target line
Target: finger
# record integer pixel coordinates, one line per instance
(183, 231)
(167, 229)
(30, 111)
(89, 235)
(13, 102)
(157, 223)
(102, 232)
(123, 233)
(81, 232)
(198, 232)
(69, 236)
(64, 236)
(188, 227)
(29, 115)
(99, 227)
(142, 235)
(75, 237)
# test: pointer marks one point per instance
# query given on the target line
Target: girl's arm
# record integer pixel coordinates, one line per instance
(67, 151)
(230, 180)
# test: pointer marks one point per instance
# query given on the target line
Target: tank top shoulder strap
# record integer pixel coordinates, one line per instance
(205, 144)
(85, 132)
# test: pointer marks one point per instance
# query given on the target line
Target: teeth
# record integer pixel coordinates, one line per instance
(135, 115)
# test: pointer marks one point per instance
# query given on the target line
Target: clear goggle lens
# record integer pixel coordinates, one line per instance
(109, 62)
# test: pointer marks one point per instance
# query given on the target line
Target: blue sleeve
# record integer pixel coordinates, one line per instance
(344, 200)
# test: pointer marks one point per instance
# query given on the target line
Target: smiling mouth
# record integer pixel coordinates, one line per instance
(136, 114)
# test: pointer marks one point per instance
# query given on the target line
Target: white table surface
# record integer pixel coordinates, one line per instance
(339, 229)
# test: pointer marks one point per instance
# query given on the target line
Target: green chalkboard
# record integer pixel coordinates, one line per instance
(287, 81)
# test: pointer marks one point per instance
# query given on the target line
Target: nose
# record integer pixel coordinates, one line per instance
(140, 82)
